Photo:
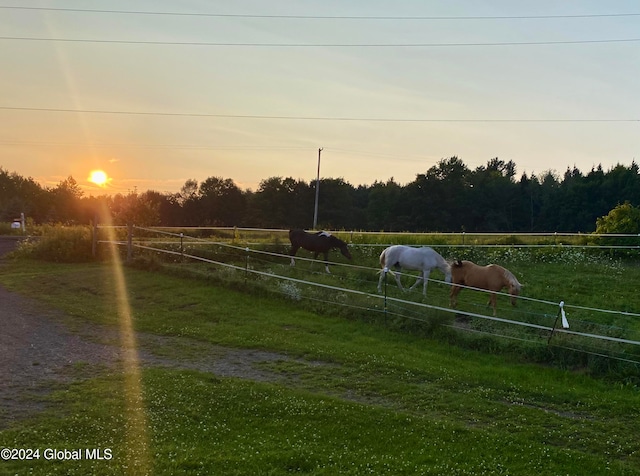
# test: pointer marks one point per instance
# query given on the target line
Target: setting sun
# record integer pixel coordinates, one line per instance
(98, 177)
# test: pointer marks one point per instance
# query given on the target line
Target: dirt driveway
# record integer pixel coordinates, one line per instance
(39, 354)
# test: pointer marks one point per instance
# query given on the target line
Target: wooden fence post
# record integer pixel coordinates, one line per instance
(94, 237)
(129, 241)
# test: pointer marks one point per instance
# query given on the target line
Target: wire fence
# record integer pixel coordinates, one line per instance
(434, 239)
(543, 323)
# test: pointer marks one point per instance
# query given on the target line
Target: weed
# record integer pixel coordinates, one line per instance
(58, 244)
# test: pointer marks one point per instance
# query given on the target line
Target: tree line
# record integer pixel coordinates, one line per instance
(448, 197)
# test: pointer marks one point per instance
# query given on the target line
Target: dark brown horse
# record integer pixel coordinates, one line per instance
(491, 277)
(320, 242)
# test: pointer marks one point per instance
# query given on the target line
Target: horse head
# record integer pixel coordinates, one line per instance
(455, 268)
(514, 289)
(341, 245)
(446, 269)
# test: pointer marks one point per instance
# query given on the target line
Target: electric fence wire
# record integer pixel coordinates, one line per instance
(407, 309)
(524, 298)
(366, 268)
(413, 315)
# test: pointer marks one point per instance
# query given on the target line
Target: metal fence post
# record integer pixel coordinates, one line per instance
(565, 323)
(384, 270)
(246, 265)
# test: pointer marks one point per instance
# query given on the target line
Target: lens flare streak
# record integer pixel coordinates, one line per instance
(137, 444)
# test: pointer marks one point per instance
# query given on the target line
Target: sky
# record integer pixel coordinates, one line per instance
(155, 93)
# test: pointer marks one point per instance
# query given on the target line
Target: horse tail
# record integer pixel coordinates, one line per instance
(383, 258)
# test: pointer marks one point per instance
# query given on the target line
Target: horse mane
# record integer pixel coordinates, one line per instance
(443, 265)
(511, 278)
(335, 241)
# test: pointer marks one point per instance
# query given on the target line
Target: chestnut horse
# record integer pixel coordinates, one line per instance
(423, 259)
(320, 242)
(491, 277)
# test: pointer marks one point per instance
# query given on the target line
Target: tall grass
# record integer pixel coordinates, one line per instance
(60, 244)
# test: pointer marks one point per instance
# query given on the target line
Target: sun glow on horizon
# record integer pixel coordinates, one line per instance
(98, 177)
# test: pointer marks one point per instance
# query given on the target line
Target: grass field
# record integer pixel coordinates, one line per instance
(595, 285)
(348, 396)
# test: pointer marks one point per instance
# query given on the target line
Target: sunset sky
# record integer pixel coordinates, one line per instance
(158, 92)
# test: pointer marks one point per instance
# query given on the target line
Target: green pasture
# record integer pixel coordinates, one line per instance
(347, 395)
(595, 284)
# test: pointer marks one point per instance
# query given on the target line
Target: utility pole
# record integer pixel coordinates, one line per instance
(315, 210)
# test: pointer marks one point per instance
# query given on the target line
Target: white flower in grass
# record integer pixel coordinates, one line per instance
(290, 290)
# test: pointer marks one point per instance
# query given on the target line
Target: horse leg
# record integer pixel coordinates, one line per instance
(425, 278)
(453, 296)
(315, 257)
(420, 278)
(294, 250)
(492, 301)
(326, 262)
(398, 280)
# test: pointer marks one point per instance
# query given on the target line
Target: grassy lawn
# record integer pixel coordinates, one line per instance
(358, 398)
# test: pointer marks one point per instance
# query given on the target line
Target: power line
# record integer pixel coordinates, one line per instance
(302, 118)
(324, 45)
(153, 146)
(204, 147)
(329, 17)
(306, 118)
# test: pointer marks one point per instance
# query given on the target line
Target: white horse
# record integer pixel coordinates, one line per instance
(423, 259)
